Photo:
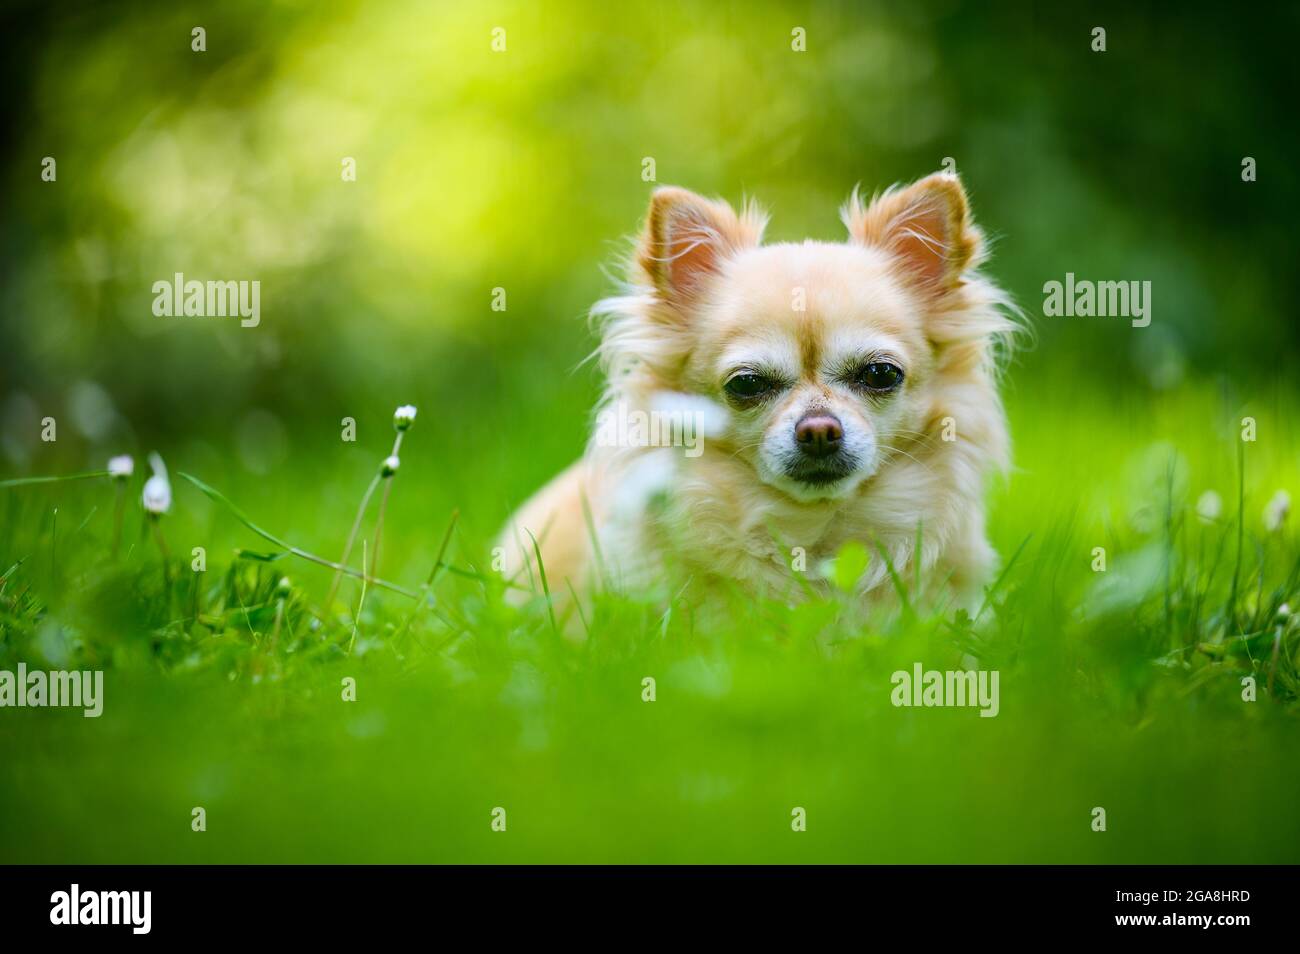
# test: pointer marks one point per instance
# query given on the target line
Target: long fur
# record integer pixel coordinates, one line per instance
(715, 515)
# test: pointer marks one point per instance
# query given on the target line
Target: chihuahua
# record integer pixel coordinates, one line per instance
(767, 404)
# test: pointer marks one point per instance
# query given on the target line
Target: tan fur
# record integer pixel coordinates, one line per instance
(704, 291)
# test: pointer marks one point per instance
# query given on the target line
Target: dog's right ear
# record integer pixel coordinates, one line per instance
(687, 238)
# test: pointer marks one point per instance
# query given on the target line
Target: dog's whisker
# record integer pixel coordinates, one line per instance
(910, 457)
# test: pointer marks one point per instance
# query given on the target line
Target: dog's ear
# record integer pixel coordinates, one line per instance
(687, 238)
(927, 226)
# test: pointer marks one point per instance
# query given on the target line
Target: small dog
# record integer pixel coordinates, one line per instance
(775, 402)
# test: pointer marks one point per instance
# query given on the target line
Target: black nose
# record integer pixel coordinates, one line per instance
(819, 435)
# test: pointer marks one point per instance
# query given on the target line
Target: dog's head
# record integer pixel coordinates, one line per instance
(828, 357)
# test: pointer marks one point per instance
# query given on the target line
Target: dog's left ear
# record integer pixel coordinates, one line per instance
(926, 226)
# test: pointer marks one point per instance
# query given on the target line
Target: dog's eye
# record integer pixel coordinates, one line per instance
(747, 385)
(880, 376)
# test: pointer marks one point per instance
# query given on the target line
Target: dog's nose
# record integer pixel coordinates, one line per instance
(819, 435)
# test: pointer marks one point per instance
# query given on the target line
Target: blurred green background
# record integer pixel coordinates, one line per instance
(522, 170)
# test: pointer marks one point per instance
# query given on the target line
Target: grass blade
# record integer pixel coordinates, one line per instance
(239, 515)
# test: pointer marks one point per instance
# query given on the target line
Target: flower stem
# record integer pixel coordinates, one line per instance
(23, 481)
(383, 508)
(352, 538)
(117, 518)
(156, 523)
(356, 620)
(379, 524)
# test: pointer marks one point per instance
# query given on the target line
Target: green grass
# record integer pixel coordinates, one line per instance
(1120, 689)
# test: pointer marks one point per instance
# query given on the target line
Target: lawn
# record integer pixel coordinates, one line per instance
(1120, 689)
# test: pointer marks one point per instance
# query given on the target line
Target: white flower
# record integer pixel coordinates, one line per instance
(390, 466)
(122, 466)
(157, 495)
(1276, 510)
(404, 416)
(1209, 506)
